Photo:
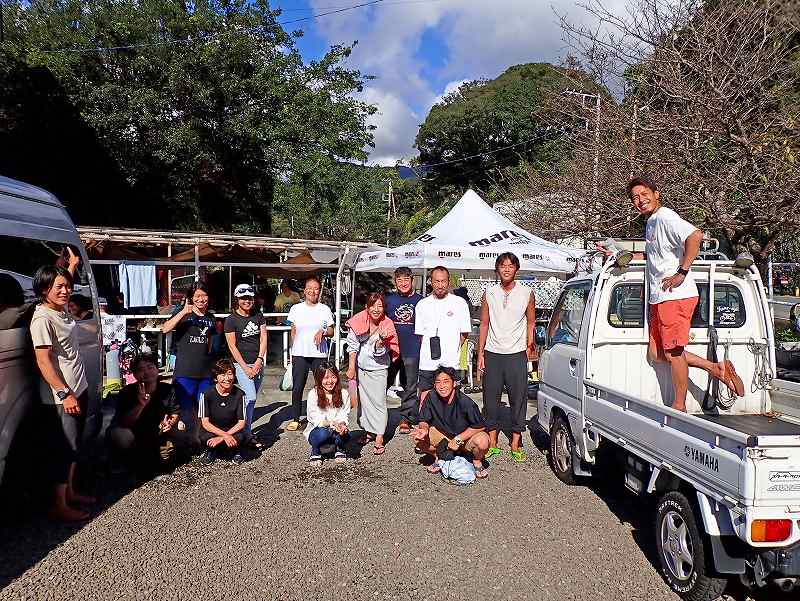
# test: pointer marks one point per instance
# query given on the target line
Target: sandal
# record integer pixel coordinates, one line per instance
(481, 472)
(293, 425)
(367, 438)
(315, 461)
(434, 468)
(404, 428)
(379, 449)
(731, 379)
(519, 455)
(339, 457)
(492, 452)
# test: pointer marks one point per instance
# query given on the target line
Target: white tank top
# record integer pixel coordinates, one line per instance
(508, 326)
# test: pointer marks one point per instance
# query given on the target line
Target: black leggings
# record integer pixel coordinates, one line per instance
(300, 367)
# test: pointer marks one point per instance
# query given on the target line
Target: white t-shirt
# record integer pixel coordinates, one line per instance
(447, 318)
(308, 320)
(57, 329)
(665, 235)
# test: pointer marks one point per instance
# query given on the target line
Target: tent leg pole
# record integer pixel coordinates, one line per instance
(353, 294)
(338, 316)
(230, 285)
(424, 280)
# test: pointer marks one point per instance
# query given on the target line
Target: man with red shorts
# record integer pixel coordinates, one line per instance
(671, 246)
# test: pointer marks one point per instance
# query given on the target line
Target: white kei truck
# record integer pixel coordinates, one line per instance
(727, 472)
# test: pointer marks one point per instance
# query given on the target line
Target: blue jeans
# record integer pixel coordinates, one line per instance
(250, 389)
(187, 393)
(319, 436)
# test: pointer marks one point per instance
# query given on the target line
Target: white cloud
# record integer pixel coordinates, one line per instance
(480, 39)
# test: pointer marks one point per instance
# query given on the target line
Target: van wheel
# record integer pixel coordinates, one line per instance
(562, 450)
(681, 551)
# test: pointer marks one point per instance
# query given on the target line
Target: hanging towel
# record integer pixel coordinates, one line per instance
(137, 282)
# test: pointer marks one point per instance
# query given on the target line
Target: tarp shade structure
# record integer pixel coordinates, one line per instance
(470, 237)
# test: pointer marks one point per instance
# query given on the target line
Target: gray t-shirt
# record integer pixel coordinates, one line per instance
(57, 329)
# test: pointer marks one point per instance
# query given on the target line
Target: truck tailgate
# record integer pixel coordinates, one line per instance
(777, 475)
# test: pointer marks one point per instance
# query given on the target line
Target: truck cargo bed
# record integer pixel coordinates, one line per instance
(754, 424)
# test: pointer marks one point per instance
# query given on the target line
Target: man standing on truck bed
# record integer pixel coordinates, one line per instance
(671, 246)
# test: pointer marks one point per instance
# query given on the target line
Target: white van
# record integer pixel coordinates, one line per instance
(34, 230)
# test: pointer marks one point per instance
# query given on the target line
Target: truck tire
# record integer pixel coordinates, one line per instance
(681, 551)
(562, 450)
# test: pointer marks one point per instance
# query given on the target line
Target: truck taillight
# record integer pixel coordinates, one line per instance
(770, 531)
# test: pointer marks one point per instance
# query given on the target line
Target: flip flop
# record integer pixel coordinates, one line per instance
(292, 426)
(404, 428)
(379, 449)
(731, 379)
(434, 468)
(481, 472)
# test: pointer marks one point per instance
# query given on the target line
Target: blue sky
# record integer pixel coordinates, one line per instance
(422, 49)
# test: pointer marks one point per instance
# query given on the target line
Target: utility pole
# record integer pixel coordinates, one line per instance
(596, 167)
(391, 210)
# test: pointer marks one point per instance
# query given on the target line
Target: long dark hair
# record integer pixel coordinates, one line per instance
(322, 394)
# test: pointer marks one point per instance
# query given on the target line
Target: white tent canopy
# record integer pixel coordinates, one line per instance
(469, 238)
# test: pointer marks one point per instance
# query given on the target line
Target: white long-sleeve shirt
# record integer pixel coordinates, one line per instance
(330, 414)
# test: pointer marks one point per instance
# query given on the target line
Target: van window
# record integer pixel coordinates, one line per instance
(728, 307)
(565, 324)
(626, 309)
(19, 260)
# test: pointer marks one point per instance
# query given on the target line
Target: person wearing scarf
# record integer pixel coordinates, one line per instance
(372, 345)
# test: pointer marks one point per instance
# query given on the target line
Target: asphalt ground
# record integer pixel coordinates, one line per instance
(375, 528)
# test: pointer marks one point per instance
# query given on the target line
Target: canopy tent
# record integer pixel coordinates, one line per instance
(470, 237)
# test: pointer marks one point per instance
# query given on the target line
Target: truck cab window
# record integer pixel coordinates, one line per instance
(626, 309)
(729, 309)
(565, 324)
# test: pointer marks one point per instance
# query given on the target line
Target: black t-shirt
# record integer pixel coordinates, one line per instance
(162, 402)
(222, 411)
(193, 346)
(248, 334)
(453, 418)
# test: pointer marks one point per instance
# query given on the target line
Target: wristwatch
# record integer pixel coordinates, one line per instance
(683, 271)
(63, 394)
(458, 441)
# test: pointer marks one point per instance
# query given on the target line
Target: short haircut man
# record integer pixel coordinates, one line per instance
(443, 321)
(672, 245)
(401, 308)
(505, 345)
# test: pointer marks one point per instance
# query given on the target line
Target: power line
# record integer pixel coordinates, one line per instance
(208, 36)
(488, 152)
(308, 9)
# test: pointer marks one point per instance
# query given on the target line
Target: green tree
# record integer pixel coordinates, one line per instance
(507, 117)
(203, 106)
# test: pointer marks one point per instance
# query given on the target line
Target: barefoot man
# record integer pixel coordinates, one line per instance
(671, 246)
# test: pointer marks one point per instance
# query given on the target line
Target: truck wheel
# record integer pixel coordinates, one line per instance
(681, 551)
(562, 448)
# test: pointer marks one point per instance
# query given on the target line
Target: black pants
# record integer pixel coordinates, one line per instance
(222, 449)
(511, 372)
(408, 368)
(300, 367)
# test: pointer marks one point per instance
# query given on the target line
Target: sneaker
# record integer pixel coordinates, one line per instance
(237, 459)
(492, 452)
(392, 394)
(208, 457)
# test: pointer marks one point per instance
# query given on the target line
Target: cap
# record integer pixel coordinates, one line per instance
(244, 290)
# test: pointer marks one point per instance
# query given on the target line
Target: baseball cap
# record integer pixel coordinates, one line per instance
(244, 290)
